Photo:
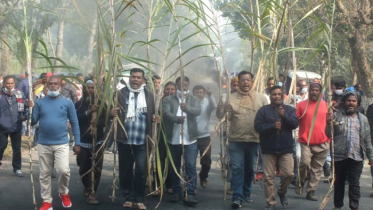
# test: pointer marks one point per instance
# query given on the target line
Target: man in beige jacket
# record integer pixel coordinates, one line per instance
(243, 139)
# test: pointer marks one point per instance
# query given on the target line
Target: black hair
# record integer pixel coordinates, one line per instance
(79, 75)
(244, 73)
(179, 78)
(270, 78)
(169, 83)
(198, 87)
(275, 88)
(135, 70)
(9, 77)
(281, 75)
(299, 85)
(340, 82)
(154, 77)
(357, 86)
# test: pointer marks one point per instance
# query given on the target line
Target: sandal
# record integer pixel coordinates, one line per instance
(93, 201)
(127, 204)
(140, 206)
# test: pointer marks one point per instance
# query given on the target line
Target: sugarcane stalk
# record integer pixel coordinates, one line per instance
(28, 48)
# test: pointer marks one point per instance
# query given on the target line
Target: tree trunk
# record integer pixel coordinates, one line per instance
(90, 44)
(5, 54)
(359, 55)
(35, 44)
(59, 46)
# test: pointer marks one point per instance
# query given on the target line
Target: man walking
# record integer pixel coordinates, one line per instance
(53, 112)
(182, 133)
(136, 112)
(352, 143)
(243, 139)
(313, 155)
(275, 124)
(208, 104)
(12, 113)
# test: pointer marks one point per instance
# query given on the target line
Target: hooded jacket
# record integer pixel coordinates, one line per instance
(274, 141)
(10, 118)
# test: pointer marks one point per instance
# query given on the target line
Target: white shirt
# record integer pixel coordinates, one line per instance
(176, 132)
(203, 120)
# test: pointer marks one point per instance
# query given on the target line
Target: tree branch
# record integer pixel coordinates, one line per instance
(345, 12)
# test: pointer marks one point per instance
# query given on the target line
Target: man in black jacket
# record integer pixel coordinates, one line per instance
(136, 113)
(85, 108)
(275, 123)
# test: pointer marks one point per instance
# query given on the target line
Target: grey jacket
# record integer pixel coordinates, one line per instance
(340, 136)
(69, 91)
(170, 107)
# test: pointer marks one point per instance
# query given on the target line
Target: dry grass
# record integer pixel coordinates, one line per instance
(9, 152)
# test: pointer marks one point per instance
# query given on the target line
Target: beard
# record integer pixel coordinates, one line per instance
(350, 112)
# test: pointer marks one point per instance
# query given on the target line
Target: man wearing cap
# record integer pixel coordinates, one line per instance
(352, 142)
(314, 147)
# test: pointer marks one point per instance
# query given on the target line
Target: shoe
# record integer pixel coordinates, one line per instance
(283, 199)
(259, 176)
(298, 189)
(278, 173)
(170, 191)
(236, 204)
(190, 200)
(18, 173)
(270, 207)
(65, 201)
(311, 196)
(336, 208)
(248, 199)
(175, 198)
(204, 183)
(46, 206)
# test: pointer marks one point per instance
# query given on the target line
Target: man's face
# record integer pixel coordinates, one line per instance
(185, 86)
(169, 90)
(157, 84)
(304, 84)
(199, 93)
(351, 105)
(91, 89)
(333, 88)
(340, 88)
(9, 83)
(270, 84)
(245, 82)
(298, 91)
(314, 93)
(234, 87)
(136, 80)
(276, 97)
(282, 79)
(81, 78)
(53, 84)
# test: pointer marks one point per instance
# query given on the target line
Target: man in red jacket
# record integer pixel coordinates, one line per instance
(314, 147)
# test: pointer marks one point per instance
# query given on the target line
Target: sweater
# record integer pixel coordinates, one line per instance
(52, 115)
(242, 119)
(273, 141)
(203, 120)
(305, 115)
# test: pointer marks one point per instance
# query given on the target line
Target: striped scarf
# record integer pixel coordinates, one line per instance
(18, 95)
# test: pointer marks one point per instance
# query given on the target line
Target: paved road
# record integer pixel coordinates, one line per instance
(15, 193)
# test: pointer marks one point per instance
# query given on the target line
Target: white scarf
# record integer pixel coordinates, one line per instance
(141, 103)
(178, 94)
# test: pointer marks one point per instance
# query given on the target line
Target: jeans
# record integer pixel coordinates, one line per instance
(295, 162)
(190, 156)
(15, 138)
(260, 162)
(353, 169)
(132, 182)
(205, 160)
(243, 157)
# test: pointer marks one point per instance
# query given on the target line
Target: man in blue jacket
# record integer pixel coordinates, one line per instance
(275, 124)
(12, 113)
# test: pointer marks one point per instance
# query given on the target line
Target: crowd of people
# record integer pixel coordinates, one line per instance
(271, 134)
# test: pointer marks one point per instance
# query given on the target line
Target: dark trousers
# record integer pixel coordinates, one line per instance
(205, 161)
(15, 138)
(353, 170)
(162, 151)
(84, 161)
(190, 157)
(132, 185)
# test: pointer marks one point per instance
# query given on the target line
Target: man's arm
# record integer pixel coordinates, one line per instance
(74, 123)
(260, 124)
(35, 114)
(367, 142)
(167, 112)
(195, 108)
(212, 104)
(290, 119)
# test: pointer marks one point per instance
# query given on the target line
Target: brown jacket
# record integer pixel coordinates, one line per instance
(242, 119)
